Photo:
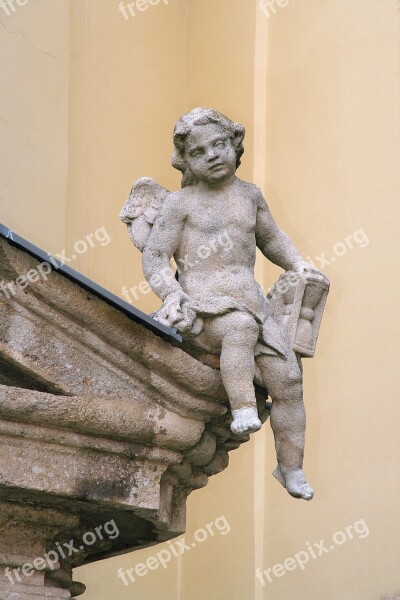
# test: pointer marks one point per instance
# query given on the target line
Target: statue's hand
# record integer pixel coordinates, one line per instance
(308, 270)
(177, 312)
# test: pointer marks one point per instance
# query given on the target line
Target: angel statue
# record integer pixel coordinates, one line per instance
(215, 300)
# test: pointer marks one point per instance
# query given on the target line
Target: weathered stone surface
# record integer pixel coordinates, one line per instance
(100, 421)
(211, 229)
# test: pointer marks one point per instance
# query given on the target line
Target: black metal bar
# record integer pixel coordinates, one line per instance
(130, 311)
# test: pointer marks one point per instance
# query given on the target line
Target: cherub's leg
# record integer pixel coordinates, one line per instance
(283, 379)
(239, 334)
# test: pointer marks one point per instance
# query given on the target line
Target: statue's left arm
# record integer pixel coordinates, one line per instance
(274, 243)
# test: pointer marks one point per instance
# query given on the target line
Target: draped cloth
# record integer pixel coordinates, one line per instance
(272, 339)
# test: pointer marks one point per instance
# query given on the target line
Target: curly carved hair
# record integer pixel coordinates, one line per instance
(202, 116)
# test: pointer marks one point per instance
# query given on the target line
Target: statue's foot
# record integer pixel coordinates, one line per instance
(245, 420)
(294, 481)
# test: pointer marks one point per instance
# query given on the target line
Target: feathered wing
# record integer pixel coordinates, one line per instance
(141, 209)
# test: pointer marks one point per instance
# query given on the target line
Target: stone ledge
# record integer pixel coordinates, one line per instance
(100, 419)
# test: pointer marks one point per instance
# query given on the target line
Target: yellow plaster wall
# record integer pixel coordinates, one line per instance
(317, 86)
(34, 75)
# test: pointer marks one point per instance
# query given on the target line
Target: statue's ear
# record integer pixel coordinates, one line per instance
(237, 140)
(239, 134)
(177, 160)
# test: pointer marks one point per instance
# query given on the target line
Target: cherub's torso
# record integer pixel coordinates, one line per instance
(217, 248)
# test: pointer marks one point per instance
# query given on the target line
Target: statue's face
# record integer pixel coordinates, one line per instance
(210, 153)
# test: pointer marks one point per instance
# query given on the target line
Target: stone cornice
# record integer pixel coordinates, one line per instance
(100, 417)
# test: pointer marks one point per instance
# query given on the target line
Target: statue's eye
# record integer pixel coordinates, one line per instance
(197, 152)
(220, 144)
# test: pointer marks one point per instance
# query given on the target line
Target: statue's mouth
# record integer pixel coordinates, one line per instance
(217, 166)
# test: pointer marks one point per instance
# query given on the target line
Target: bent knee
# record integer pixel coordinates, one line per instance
(293, 376)
(244, 322)
(285, 378)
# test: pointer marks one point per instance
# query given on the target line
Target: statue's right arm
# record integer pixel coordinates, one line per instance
(163, 242)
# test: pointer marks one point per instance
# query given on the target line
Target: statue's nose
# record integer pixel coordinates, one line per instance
(211, 154)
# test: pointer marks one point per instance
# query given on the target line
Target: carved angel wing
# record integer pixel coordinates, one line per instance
(141, 209)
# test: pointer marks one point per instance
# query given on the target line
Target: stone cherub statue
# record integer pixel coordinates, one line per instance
(215, 301)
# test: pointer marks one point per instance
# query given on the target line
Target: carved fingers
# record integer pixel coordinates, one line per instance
(311, 272)
(177, 312)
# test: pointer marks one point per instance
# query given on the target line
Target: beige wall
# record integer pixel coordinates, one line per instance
(128, 84)
(333, 169)
(34, 75)
(317, 86)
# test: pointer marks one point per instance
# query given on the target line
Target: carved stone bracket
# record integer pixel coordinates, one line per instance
(100, 421)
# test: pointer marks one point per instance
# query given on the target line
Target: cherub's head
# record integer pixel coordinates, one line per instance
(206, 145)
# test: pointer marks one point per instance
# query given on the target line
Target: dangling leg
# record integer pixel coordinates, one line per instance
(237, 334)
(283, 379)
